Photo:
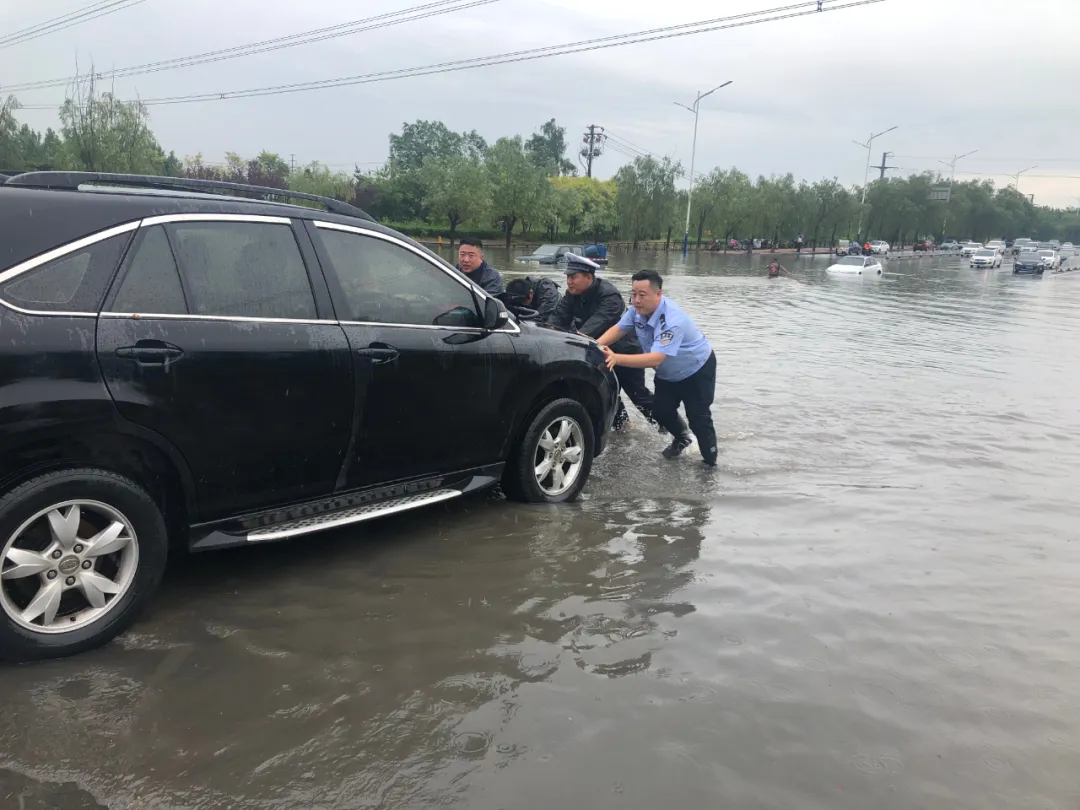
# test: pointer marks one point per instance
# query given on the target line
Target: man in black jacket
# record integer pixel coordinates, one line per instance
(591, 306)
(540, 294)
(471, 262)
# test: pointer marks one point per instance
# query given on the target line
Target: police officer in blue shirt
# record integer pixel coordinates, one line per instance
(684, 361)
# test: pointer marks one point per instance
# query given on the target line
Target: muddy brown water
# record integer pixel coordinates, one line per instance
(872, 603)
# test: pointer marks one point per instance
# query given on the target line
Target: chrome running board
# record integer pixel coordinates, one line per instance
(345, 517)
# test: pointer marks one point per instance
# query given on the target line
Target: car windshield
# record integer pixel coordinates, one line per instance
(855, 260)
(546, 250)
(987, 253)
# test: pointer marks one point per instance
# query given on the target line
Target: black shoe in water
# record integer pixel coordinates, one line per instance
(678, 444)
(622, 419)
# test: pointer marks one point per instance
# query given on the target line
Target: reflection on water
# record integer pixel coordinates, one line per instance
(872, 602)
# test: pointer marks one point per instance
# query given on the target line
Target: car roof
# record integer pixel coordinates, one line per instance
(35, 220)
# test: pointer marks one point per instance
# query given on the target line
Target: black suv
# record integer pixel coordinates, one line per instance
(182, 367)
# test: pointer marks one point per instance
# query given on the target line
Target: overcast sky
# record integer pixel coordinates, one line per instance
(954, 75)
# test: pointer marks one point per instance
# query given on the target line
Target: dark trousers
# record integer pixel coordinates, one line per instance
(632, 382)
(696, 392)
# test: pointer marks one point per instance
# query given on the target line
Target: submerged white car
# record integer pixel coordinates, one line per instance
(987, 257)
(856, 266)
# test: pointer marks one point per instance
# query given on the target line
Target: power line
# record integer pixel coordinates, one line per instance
(103, 8)
(651, 35)
(277, 43)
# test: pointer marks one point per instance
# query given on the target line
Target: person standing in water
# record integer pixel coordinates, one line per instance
(775, 269)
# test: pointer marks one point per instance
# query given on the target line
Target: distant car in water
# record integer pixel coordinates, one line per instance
(1050, 258)
(879, 248)
(996, 244)
(968, 248)
(856, 265)
(1067, 246)
(1028, 262)
(949, 245)
(987, 257)
(924, 245)
(1018, 244)
(557, 253)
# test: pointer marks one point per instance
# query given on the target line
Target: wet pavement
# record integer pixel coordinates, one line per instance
(873, 602)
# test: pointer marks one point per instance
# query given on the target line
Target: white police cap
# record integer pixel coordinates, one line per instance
(579, 264)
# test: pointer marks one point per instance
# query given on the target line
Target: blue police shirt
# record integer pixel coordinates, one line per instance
(669, 331)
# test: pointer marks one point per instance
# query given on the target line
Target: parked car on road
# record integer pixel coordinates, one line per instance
(879, 248)
(924, 245)
(949, 246)
(182, 369)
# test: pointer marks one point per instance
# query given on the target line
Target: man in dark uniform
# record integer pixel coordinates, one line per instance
(471, 262)
(540, 294)
(592, 306)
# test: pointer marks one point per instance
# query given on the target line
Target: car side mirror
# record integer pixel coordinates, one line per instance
(495, 314)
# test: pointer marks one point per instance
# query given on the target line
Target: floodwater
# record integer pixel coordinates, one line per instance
(873, 602)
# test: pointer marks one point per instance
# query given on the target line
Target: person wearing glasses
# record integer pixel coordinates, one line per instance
(684, 361)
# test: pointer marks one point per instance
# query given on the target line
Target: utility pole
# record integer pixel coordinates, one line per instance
(884, 158)
(866, 176)
(292, 163)
(593, 147)
(952, 175)
(693, 154)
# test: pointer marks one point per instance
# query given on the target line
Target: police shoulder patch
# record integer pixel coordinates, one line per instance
(666, 337)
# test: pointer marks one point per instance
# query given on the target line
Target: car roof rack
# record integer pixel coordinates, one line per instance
(73, 181)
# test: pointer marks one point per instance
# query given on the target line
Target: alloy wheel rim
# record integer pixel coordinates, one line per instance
(559, 456)
(67, 567)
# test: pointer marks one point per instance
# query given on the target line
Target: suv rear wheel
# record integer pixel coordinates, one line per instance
(81, 552)
(553, 461)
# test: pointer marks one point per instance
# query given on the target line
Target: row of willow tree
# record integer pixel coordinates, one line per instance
(440, 182)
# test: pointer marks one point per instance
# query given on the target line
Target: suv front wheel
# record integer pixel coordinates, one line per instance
(81, 552)
(553, 461)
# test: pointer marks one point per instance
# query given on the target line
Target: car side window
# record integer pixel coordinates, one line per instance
(385, 283)
(150, 282)
(75, 282)
(243, 269)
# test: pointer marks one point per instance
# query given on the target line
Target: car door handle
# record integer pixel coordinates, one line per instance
(379, 354)
(150, 353)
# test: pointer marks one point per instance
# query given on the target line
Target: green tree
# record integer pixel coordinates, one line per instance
(456, 188)
(104, 134)
(645, 196)
(547, 148)
(519, 188)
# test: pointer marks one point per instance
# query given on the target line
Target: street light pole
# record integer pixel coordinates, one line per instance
(866, 176)
(693, 155)
(1016, 183)
(952, 175)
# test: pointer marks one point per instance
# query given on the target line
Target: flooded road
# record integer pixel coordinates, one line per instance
(873, 602)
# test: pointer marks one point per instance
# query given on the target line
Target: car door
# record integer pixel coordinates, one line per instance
(434, 380)
(214, 337)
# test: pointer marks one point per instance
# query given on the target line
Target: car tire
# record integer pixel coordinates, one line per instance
(524, 480)
(33, 521)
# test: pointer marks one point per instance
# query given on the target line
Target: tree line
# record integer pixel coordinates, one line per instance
(440, 182)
